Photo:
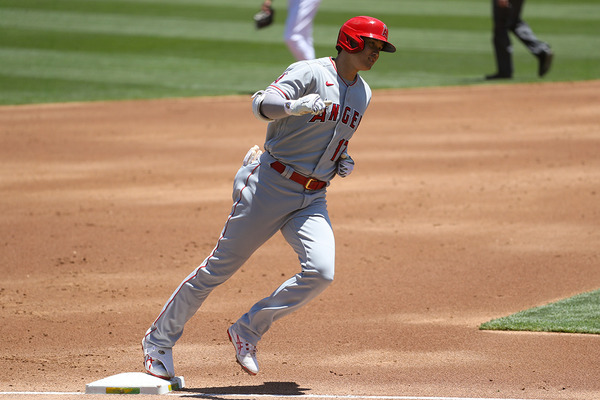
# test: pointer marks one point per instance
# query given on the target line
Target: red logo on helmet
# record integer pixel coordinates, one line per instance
(385, 32)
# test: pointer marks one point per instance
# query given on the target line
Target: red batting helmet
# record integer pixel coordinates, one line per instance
(355, 29)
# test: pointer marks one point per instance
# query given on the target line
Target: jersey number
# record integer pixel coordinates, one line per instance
(342, 145)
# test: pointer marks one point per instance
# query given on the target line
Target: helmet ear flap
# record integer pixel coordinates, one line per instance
(350, 43)
(356, 45)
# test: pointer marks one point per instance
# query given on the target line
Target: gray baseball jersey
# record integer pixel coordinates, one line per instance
(267, 201)
(312, 143)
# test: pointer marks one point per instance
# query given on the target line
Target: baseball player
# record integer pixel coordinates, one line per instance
(298, 34)
(313, 109)
(507, 17)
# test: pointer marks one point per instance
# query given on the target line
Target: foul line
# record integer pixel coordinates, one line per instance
(44, 393)
(307, 396)
(332, 396)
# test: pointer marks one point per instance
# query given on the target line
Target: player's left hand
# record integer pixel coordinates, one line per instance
(252, 155)
(345, 165)
(309, 104)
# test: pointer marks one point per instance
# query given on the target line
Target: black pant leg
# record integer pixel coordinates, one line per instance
(523, 31)
(502, 45)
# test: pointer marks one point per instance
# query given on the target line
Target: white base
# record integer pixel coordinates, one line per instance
(134, 383)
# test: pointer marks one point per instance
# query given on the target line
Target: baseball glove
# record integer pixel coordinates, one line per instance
(264, 17)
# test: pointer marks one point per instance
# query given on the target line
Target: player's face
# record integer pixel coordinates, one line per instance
(370, 53)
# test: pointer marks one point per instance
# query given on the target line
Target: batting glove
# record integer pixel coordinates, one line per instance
(252, 155)
(309, 104)
(345, 165)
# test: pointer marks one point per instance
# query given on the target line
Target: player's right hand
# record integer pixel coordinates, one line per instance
(309, 104)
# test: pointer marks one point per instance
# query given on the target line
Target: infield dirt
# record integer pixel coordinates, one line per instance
(466, 204)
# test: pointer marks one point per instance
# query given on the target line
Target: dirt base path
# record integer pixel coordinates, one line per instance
(466, 204)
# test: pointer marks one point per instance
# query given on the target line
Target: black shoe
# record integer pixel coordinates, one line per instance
(497, 76)
(545, 60)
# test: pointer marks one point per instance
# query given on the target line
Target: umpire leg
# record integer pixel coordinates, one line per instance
(501, 40)
(524, 32)
(541, 50)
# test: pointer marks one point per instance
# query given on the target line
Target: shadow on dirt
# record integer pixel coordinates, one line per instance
(267, 388)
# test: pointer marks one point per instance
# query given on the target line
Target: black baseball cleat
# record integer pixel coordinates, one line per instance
(497, 76)
(545, 61)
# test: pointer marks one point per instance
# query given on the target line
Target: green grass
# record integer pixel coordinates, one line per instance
(81, 50)
(578, 314)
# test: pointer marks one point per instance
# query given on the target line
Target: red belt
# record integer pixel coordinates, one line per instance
(308, 183)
